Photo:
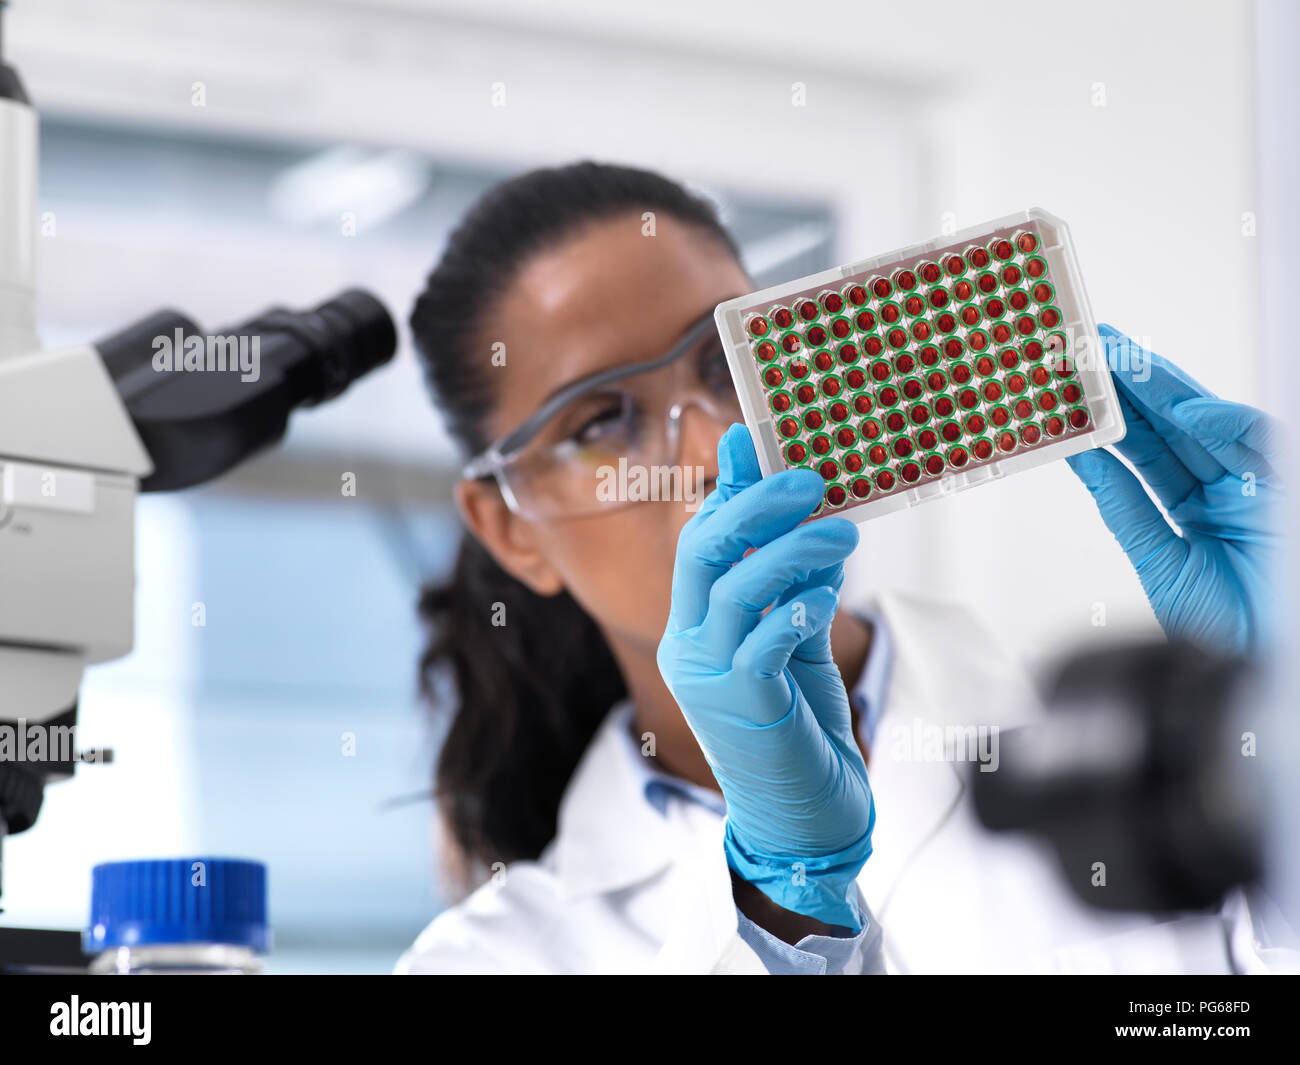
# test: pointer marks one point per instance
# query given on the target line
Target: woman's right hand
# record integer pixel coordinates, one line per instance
(759, 688)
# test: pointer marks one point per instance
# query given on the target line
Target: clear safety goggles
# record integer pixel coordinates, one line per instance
(613, 438)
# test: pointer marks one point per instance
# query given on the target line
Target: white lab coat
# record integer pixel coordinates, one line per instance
(623, 888)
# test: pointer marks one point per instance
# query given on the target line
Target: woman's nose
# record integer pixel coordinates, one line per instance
(700, 430)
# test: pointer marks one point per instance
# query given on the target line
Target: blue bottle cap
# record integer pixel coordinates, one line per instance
(178, 900)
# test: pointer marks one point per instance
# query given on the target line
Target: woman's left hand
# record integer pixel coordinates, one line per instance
(1211, 464)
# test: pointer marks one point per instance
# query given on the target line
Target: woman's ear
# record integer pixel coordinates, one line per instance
(507, 537)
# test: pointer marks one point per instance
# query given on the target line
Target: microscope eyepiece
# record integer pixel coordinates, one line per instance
(348, 336)
(203, 404)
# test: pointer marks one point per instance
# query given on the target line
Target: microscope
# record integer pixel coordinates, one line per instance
(158, 406)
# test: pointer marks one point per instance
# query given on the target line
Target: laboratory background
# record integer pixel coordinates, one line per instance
(220, 158)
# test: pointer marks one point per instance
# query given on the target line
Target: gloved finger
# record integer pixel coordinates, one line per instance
(739, 598)
(1242, 438)
(766, 650)
(817, 646)
(751, 518)
(1132, 517)
(737, 469)
(813, 669)
(1151, 455)
(1154, 385)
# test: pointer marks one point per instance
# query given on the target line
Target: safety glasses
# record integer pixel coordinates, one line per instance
(613, 438)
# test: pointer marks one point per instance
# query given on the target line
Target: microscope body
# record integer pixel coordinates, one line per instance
(84, 430)
(70, 465)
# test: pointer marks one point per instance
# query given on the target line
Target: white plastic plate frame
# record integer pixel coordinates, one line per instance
(1086, 349)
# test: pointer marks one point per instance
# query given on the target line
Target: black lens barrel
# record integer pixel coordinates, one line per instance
(199, 417)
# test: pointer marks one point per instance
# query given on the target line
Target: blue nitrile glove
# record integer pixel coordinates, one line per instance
(1210, 463)
(760, 690)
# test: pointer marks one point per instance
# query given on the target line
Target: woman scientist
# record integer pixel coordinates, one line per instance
(647, 769)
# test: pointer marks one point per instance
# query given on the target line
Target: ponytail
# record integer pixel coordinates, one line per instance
(535, 678)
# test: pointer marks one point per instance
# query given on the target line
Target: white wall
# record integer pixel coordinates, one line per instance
(949, 111)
